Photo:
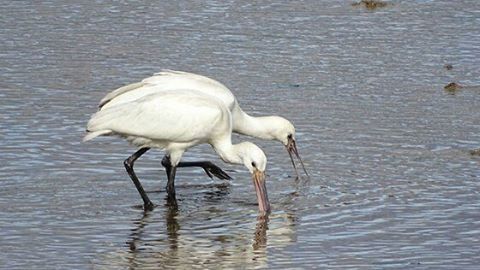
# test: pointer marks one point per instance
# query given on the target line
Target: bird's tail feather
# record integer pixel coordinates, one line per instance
(90, 135)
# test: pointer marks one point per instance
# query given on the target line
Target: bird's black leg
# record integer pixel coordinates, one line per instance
(171, 171)
(148, 205)
(209, 168)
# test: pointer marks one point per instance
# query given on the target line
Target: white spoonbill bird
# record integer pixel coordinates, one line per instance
(175, 121)
(266, 127)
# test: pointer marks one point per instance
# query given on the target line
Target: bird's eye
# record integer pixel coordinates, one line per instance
(253, 164)
(289, 136)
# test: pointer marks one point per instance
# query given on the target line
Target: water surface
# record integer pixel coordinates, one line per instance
(392, 184)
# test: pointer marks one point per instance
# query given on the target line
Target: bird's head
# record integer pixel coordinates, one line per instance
(255, 160)
(284, 131)
(253, 157)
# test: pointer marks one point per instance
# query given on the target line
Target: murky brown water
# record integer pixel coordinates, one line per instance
(392, 185)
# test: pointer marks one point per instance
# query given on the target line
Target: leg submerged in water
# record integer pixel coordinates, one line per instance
(171, 172)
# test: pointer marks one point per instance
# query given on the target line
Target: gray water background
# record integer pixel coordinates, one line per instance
(392, 186)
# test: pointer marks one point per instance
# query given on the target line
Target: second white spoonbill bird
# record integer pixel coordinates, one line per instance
(175, 121)
(266, 127)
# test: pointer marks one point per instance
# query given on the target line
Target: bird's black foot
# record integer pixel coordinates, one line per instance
(148, 206)
(171, 201)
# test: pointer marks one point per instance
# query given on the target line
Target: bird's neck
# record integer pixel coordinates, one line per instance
(228, 152)
(259, 127)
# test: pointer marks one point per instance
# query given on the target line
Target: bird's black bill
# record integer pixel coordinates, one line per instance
(261, 189)
(292, 150)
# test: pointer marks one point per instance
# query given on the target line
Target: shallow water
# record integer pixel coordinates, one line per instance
(392, 184)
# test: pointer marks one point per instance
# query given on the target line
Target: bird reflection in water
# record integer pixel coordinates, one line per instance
(173, 226)
(260, 238)
(139, 238)
(174, 237)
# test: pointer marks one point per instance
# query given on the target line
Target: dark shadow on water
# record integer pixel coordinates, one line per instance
(179, 187)
(218, 194)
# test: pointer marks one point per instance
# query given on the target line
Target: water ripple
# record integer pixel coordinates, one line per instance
(392, 182)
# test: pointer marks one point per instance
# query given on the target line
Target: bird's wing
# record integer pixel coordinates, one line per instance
(169, 116)
(168, 80)
(187, 80)
(119, 91)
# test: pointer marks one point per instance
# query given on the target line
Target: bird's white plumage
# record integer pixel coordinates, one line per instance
(161, 119)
